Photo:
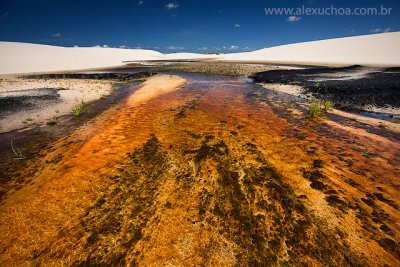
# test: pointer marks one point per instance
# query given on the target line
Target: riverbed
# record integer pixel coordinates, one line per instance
(194, 169)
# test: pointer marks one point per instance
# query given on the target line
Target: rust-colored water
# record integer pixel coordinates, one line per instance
(205, 131)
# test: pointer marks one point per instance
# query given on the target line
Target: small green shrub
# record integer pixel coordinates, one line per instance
(314, 109)
(319, 108)
(25, 121)
(77, 110)
(328, 105)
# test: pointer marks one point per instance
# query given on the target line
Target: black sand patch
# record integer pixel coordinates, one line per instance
(379, 87)
(13, 101)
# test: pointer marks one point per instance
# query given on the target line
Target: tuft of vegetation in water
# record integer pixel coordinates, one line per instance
(319, 108)
(27, 120)
(328, 105)
(77, 110)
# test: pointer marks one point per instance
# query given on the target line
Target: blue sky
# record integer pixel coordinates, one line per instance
(185, 25)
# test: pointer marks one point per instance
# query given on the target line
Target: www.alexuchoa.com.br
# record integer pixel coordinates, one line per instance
(329, 11)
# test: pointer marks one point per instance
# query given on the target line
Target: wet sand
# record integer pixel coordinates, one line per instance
(29, 101)
(207, 170)
(353, 88)
(32, 102)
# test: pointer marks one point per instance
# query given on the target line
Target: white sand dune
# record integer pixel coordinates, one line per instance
(377, 49)
(27, 58)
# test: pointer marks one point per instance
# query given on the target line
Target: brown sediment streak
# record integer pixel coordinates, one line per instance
(118, 133)
(34, 215)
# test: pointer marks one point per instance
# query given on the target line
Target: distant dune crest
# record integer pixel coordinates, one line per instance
(377, 49)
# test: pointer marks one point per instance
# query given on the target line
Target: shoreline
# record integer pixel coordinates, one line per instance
(36, 100)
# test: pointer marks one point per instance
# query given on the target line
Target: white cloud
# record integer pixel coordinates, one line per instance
(140, 2)
(376, 30)
(101, 46)
(171, 47)
(293, 19)
(123, 46)
(171, 5)
(202, 48)
(56, 35)
(237, 25)
(233, 47)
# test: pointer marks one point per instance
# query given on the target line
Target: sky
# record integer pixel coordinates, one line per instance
(192, 25)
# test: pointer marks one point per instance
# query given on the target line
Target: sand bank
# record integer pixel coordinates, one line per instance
(37, 101)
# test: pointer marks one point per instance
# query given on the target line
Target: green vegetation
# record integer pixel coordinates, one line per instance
(25, 121)
(143, 79)
(77, 110)
(319, 108)
(395, 119)
(328, 105)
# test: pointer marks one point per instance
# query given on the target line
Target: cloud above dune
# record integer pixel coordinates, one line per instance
(101, 46)
(171, 5)
(237, 25)
(293, 19)
(140, 2)
(56, 35)
(377, 30)
(171, 47)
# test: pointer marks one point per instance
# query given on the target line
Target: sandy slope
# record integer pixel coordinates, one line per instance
(376, 49)
(24, 58)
